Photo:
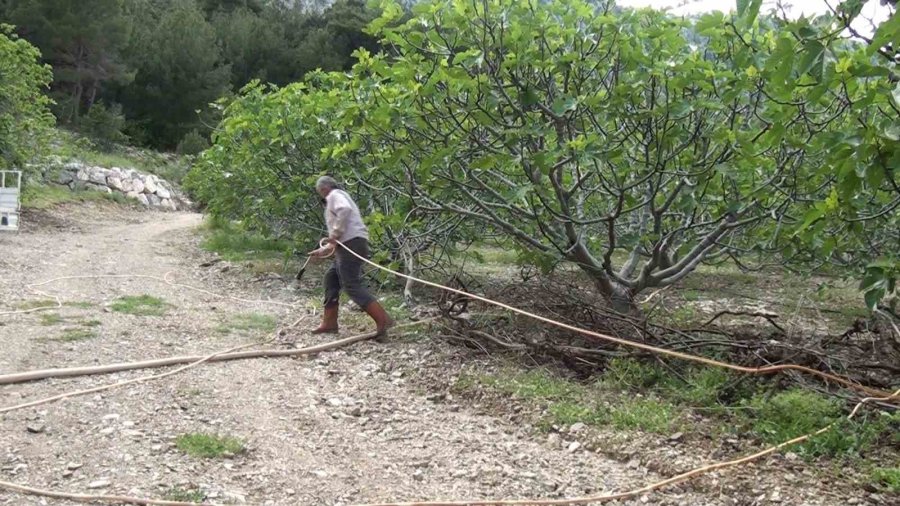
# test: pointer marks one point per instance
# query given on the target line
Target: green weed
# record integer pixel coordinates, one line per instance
(248, 322)
(140, 305)
(208, 445)
(796, 412)
(235, 244)
(184, 495)
(48, 319)
(648, 414)
(80, 305)
(34, 304)
(887, 478)
(72, 335)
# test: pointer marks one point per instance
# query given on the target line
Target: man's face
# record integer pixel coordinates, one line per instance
(323, 191)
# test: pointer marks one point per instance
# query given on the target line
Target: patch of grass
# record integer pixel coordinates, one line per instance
(566, 413)
(39, 196)
(91, 323)
(887, 478)
(705, 387)
(393, 304)
(235, 244)
(140, 305)
(683, 316)
(795, 412)
(80, 304)
(691, 295)
(208, 445)
(34, 304)
(535, 384)
(72, 335)
(633, 374)
(494, 255)
(248, 322)
(648, 414)
(184, 495)
(48, 319)
(569, 402)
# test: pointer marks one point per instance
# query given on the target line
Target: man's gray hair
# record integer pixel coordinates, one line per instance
(326, 182)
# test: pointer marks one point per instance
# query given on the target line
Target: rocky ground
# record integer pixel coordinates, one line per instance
(372, 422)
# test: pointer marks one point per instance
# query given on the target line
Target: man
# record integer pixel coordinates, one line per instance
(345, 225)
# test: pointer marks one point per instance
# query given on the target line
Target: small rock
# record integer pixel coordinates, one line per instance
(334, 402)
(791, 456)
(67, 474)
(576, 427)
(97, 176)
(320, 474)
(109, 417)
(574, 445)
(107, 431)
(115, 182)
(356, 411)
(71, 466)
(35, 428)
(633, 464)
(678, 436)
(853, 500)
(98, 484)
(150, 185)
(66, 177)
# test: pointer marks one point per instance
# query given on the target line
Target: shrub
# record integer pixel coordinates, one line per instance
(192, 144)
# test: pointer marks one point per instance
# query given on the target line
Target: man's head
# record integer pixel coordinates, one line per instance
(325, 184)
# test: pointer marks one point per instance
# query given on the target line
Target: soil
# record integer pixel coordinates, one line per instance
(370, 423)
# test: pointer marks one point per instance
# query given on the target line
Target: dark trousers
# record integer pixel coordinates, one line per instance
(346, 274)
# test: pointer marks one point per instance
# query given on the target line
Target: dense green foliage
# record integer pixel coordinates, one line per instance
(630, 143)
(24, 109)
(162, 61)
(82, 40)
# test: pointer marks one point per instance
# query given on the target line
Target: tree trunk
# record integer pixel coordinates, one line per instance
(409, 260)
(620, 298)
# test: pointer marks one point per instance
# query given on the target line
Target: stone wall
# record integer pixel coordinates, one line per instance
(148, 189)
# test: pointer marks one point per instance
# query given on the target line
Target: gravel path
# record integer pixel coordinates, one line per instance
(342, 428)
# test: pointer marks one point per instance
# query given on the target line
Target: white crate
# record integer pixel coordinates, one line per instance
(10, 194)
(9, 220)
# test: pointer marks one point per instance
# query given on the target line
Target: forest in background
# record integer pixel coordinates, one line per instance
(145, 72)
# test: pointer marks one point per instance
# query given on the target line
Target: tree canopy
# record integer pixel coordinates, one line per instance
(24, 107)
(629, 143)
(164, 60)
